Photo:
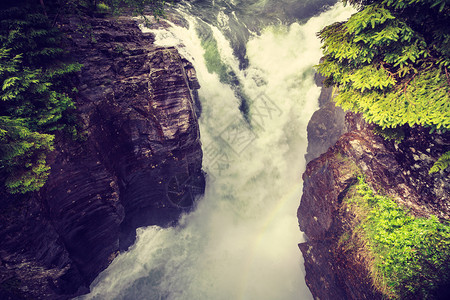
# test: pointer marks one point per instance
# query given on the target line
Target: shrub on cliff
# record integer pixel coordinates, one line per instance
(391, 62)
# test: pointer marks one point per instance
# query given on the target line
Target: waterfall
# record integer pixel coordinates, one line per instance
(241, 240)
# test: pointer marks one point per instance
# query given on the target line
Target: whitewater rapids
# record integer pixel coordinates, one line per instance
(241, 240)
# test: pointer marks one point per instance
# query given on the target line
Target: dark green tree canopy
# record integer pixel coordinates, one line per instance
(390, 61)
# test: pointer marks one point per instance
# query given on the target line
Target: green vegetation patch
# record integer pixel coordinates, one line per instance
(395, 134)
(391, 62)
(441, 164)
(37, 86)
(213, 59)
(408, 257)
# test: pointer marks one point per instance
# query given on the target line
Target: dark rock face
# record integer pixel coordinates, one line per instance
(326, 124)
(399, 170)
(139, 164)
(329, 273)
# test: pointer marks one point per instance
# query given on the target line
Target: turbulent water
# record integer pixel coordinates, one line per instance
(257, 96)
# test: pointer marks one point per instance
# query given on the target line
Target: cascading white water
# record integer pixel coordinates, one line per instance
(241, 241)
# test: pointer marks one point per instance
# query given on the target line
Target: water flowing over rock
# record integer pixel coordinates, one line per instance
(400, 170)
(138, 163)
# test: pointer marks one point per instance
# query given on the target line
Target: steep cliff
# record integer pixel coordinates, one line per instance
(399, 170)
(326, 125)
(137, 163)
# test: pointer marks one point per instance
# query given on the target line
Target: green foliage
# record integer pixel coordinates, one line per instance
(23, 154)
(441, 164)
(30, 34)
(119, 49)
(213, 59)
(390, 61)
(411, 256)
(103, 8)
(35, 96)
(391, 134)
(87, 32)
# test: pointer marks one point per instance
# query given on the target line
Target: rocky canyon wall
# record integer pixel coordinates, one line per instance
(137, 162)
(339, 149)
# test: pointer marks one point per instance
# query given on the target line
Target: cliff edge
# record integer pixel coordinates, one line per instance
(399, 170)
(137, 162)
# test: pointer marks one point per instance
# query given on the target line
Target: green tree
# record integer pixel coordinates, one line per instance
(35, 96)
(390, 61)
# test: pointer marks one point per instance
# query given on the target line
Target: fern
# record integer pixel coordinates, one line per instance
(441, 164)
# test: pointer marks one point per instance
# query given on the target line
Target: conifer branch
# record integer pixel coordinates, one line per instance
(406, 83)
(446, 74)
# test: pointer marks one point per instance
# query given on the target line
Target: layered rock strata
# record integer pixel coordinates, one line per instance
(137, 162)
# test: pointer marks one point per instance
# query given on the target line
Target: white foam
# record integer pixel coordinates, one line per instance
(241, 241)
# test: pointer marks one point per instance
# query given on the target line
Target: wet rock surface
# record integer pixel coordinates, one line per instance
(138, 163)
(326, 124)
(399, 170)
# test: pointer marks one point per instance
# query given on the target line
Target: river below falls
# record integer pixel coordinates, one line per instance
(241, 240)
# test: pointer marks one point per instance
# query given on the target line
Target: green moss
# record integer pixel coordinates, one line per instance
(408, 257)
(213, 60)
(103, 8)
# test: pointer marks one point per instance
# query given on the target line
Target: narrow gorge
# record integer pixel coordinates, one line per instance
(211, 162)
